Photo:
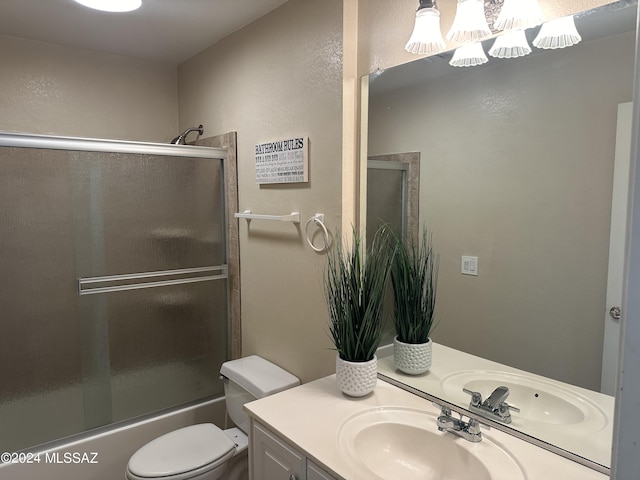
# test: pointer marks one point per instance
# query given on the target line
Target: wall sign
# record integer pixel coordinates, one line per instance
(283, 161)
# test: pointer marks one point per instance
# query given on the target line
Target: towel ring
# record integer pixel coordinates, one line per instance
(318, 219)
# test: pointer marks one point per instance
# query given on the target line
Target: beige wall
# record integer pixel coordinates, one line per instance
(55, 90)
(279, 77)
(517, 168)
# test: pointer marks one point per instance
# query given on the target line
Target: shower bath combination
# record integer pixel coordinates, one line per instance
(181, 139)
(136, 299)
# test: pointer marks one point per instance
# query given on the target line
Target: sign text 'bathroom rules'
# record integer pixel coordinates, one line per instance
(283, 161)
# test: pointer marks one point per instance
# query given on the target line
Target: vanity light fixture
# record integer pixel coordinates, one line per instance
(470, 55)
(558, 33)
(111, 5)
(519, 15)
(426, 38)
(470, 23)
(510, 45)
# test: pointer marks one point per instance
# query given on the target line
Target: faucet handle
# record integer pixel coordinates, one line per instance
(476, 397)
(473, 430)
(504, 407)
(503, 412)
(474, 426)
(476, 423)
(443, 410)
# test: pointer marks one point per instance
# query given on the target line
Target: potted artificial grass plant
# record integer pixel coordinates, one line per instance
(354, 289)
(414, 276)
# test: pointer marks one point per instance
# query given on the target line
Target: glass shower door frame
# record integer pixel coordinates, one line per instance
(115, 283)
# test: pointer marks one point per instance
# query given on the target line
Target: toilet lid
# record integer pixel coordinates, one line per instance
(181, 451)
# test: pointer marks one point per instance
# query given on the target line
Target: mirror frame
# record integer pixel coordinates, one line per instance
(625, 461)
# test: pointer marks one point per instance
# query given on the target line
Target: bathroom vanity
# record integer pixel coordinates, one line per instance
(273, 457)
(315, 432)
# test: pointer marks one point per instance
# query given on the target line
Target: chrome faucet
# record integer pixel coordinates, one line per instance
(470, 430)
(498, 396)
(495, 405)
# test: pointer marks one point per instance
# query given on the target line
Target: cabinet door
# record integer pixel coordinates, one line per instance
(314, 472)
(273, 459)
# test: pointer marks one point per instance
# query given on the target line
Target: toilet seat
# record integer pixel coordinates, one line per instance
(182, 454)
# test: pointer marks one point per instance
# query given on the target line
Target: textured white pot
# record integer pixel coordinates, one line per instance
(356, 379)
(412, 358)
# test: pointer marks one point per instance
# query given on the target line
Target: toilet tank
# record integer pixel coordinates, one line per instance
(251, 378)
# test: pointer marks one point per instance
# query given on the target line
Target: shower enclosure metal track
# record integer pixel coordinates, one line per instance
(84, 284)
(9, 139)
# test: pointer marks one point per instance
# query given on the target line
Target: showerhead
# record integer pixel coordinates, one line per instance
(180, 139)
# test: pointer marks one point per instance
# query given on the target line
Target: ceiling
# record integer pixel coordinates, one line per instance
(164, 30)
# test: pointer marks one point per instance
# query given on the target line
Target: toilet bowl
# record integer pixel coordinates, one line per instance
(204, 451)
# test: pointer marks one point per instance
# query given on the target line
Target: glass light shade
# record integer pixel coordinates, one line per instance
(470, 55)
(510, 45)
(469, 24)
(558, 33)
(519, 15)
(111, 5)
(426, 37)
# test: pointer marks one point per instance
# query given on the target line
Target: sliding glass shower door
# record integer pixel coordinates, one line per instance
(113, 283)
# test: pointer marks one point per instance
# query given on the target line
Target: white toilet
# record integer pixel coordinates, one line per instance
(204, 451)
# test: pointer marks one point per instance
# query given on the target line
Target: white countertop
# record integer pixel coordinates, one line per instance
(309, 417)
(595, 444)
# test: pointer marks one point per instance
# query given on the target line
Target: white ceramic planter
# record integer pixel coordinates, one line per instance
(356, 379)
(412, 358)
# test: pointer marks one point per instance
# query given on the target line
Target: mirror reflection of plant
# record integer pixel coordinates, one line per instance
(354, 289)
(414, 276)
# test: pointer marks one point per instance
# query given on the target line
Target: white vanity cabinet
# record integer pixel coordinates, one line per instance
(314, 472)
(274, 459)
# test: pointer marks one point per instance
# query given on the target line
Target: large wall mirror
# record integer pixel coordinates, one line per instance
(516, 168)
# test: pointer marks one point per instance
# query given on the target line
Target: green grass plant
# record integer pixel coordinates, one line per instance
(354, 289)
(414, 276)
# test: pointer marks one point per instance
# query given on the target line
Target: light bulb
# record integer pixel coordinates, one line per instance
(510, 45)
(469, 24)
(470, 55)
(519, 15)
(558, 33)
(112, 5)
(426, 37)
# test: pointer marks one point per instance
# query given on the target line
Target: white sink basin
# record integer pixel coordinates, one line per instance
(542, 404)
(396, 443)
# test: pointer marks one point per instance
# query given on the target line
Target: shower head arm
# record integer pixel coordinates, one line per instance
(180, 139)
